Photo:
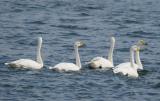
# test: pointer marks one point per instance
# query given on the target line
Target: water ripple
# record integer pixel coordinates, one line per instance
(61, 23)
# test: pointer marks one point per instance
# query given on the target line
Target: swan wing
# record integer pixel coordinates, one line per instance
(106, 63)
(96, 59)
(122, 68)
(65, 67)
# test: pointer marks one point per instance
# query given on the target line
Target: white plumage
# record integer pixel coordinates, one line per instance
(27, 63)
(100, 62)
(126, 69)
(24, 63)
(65, 67)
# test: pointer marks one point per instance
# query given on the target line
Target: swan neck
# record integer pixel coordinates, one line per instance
(132, 57)
(39, 58)
(138, 61)
(110, 54)
(78, 62)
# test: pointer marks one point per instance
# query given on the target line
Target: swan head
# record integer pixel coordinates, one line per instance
(112, 39)
(141, 43)
(79, 44)
(40, 40)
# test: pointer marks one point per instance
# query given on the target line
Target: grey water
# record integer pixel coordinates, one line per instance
(61, 23)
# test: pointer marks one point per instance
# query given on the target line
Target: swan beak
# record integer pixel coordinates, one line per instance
(141, 43)
(82, 44)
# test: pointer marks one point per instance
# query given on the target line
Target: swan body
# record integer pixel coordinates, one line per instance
(100, 62)
(128, 68)
(27, 63)
(70, 66)
(65, 67)
(103, 63)
(24, 63)
(125, 69)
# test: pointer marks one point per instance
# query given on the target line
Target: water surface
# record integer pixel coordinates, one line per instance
(61, 23)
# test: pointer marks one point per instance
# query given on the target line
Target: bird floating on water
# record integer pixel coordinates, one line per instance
(103, 63)
(70, 66)
(28, 63)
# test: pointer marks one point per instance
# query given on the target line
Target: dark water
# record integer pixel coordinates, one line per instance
(61, 23)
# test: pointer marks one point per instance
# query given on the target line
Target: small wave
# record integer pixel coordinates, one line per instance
(57, 4)
(84, 14)
(132, 22)
(70, 20)
(88, 7)
(136, 10)
(70, 27)
(17, 10)
(156, 85)
(123, 49)
(6, 85)
(142, 34)
(36, 22)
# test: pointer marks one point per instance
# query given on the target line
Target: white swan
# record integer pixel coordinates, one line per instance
(70, 66)
(128, 68)
(27, 63)
(100, 62)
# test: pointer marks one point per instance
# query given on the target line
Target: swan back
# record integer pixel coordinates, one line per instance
(126, 69)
